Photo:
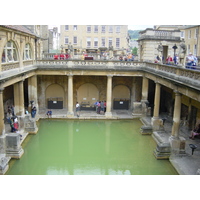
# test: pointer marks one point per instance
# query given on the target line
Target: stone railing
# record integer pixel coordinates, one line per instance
(9, 66)
(88, 64)
(28, 63)
(187, 77)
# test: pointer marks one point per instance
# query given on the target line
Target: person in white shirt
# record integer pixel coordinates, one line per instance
(77, 109)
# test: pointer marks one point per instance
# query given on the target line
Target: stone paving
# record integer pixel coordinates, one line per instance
(186, 164)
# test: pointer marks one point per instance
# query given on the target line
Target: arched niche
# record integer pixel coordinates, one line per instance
(87, 94)
(55, 97)
(121, 97)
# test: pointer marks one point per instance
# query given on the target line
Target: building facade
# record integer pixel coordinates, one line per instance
(158, 42)
(191, 36)
(94, 38)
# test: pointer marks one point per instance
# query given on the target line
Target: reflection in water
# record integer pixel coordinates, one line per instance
(96, 147)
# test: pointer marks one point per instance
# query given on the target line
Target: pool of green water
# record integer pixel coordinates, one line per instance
(89, 147)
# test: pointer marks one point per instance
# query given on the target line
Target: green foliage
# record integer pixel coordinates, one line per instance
(134, 34)
(134, 50)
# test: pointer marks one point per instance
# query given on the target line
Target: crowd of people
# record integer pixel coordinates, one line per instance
(128, 57)
(191, 60)
(100, 107)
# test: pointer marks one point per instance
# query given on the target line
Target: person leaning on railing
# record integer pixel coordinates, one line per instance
(195, 132)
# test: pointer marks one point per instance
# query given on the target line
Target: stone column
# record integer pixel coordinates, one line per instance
(144, 101)
(108, 113)
(155, 121)
(177, 143)
(70, 112)
(32, 92)
(2, 126)
(16, 98)
(19, 98)
(177, 114)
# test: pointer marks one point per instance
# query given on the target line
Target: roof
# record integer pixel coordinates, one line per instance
(20, 28)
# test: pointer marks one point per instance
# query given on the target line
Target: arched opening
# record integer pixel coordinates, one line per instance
(9, 53)
(87, 95)
(54, 96)
(121, 97)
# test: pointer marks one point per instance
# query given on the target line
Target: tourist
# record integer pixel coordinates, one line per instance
(195, 132)
(176, 59)
(13, 110)
(189, 60)
(169, 60)
(33, 112)
(121, 58)
(102, 107)
(130, 57)
(96, 105)
(77, 109)
(49, 114)
(99, 107)
(12, 126)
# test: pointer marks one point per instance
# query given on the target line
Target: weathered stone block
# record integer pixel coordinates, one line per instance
(13, 146)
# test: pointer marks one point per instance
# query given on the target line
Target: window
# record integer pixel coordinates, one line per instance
(88, 42)
(188, 49)
(75, 27)
(182, 34)
(66, 27)
(117, 42)
(110, 29)
(195, 49)
(103, 29)
(117, 29)
(110, 42)
(96, 29)
(75, 39)
(27, 52)
(196, 33)
(88, 29)
(103, 42)
(95, 42)
(9, 53)
(66, 40)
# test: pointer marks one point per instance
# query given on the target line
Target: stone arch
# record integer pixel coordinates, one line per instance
(87, 93)
(15, 46)
(55, 93)
(121, 96)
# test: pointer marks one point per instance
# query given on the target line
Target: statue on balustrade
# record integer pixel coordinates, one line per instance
(70, 49)
(110, 52)
(160, 51)
(182, 53)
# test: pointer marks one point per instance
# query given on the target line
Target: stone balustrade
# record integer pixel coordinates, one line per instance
(179, 74)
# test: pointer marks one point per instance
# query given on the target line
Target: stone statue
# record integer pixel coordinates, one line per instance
(182, 52)
(110, 52)
(160, 51)
(70, 48)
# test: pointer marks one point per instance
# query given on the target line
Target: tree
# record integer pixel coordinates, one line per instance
(134, 50)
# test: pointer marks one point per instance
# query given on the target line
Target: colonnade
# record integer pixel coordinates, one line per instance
(33, 97)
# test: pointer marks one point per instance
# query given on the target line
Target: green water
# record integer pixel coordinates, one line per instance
(96, 147)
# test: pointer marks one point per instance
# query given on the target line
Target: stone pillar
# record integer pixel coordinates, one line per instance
(177, 143)
(2, 126)
(70, 112)
(32, 92)
(108, 113)
(144, 101)
(19, 98)
(155, 121)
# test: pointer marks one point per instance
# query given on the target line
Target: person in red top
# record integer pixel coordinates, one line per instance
(169, 60)
(56, 57)
(62, 56)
